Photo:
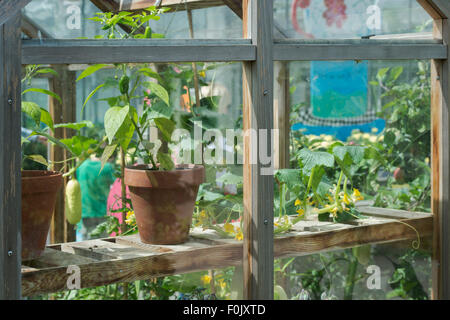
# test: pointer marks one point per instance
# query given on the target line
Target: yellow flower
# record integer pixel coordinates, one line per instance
(239, 235)
(206, 279)
(202, 73)
(228, 227)
(357, 195)
(300, 212)
(297, 202)
(346, 199)
(276, 224)
(334, 211)
(222, 284)
(203, 214)
(130, 218)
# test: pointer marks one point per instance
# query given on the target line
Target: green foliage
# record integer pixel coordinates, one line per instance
(122, 120)
(404, 281)
(79, 146)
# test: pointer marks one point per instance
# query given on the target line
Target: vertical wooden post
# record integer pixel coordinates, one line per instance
(258, 184)
(440, 103)
(10, 159)
(281, 114)
(65, 86)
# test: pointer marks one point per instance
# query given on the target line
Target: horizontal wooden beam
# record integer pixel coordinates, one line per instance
(174, 5)
(193, 50)
(138, 51)
(358, 50)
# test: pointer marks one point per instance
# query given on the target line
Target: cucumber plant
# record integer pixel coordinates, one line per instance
(323, 186)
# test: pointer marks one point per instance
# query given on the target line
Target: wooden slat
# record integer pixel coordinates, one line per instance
(32, 30)
(392, 213)
(305, 50)
(110, 51)
(9, 8)
(10, 155)
(443, 6)
(105, 262)
(351, 236)
(136, 242)
(152, 50)
(106, 5)
(258, 184)
(173, 5)
(105, 250)
(281, 114)
(235, 6)
(65, 86)
(440, 95)
(437, 9)
(55, 258)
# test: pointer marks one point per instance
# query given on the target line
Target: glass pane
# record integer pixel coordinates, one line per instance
(70, 19)
(344, 19)
(370, 272)
(186, 114)
(359, 146)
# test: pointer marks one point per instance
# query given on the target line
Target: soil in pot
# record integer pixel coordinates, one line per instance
(163, 201)
(39, 191)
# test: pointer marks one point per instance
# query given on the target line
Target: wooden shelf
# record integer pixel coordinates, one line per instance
(124, 259)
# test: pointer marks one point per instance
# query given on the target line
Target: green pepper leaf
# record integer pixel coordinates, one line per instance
(158, 90)
(114, 118)
(107, 153)
(90, 70)
(44, 91)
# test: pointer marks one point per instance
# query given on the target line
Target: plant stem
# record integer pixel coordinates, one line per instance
(338, 189)
(350, 280)
(123, 226)
(140, 135)
(305, 200)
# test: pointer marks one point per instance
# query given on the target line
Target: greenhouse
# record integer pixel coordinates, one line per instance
(224, 150)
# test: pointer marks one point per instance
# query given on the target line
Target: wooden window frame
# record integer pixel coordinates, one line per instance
(257, 51)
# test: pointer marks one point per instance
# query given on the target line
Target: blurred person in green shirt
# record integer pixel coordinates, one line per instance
(95, 187)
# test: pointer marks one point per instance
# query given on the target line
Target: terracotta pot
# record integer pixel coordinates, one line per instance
(163, 201)
(39, 191)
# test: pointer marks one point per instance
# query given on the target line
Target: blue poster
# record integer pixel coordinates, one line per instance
(339, 89)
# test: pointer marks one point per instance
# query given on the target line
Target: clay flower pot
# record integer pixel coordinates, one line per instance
(163, 201)
(39, 191)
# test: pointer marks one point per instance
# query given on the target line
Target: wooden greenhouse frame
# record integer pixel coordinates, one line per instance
(261, 56)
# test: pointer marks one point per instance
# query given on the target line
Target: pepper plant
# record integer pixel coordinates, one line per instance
(133, 85)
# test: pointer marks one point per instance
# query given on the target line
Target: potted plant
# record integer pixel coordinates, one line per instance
(162, 194)
(40, 187)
